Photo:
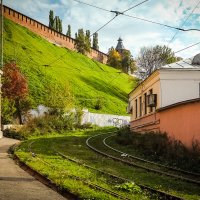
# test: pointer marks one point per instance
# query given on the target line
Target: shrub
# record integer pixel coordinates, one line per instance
(129, 187)
(12, 133)
(162, 148)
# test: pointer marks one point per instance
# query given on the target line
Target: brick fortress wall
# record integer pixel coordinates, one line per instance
(48, 33)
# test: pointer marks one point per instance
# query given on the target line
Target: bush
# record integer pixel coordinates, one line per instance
(160, 147)
(129, 187)
(12, 133)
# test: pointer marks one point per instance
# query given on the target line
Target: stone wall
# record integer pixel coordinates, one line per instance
(104, 119)
(48, 33)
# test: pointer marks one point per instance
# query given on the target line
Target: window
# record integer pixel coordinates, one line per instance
(140, 99)
(151, 92)
(136, 113)
(145, 103)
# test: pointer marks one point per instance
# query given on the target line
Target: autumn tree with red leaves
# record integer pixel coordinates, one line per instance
(14, 87)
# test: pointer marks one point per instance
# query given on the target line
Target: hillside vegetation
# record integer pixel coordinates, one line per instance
(93, 85)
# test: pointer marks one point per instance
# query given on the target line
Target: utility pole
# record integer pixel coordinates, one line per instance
(1, 67)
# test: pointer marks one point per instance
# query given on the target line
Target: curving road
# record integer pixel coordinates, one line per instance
(16, 184)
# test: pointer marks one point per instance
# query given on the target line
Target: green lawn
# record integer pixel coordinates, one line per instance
(88, 80)
(64, 172)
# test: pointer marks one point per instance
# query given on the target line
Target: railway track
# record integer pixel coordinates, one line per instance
(195, 175)
(161, 169)
(74, 177)
(161, 194)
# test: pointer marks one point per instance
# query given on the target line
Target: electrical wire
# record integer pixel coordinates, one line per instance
(187, 47)
(183, 23)
(116, 14)
(161, 24)
(139, 18)
(92, 5)
(134, 6)
(104, 25)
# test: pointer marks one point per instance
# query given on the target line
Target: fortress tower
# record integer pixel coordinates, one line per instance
(120, 47)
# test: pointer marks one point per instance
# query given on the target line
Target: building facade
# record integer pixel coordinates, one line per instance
(169, 101)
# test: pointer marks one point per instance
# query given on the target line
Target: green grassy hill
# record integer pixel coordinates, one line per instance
(88, 80)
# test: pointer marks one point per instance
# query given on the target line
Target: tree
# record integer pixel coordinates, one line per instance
(68, 31)
(87, 39)
(60, 26)
(51, 19)
(127, 63)
(151, 58)
(15, 87)
(114, 58)
(57, 24)
(81, 43)
(95, 41)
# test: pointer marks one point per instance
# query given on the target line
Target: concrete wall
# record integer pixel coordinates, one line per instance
(49, 34)
(178, 86)
(105, 119)
(182, 122)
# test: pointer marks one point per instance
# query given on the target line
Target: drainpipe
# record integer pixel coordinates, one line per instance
(1, 64)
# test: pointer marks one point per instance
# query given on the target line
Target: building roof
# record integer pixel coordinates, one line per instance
(192, 63)
(120, 45)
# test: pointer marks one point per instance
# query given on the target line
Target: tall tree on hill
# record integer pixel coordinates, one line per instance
(60, 25)
(127, 62)
(51, 19)
(95, 41)
(151, 58)
(87, 38)
(15, 87)
(68, 31)
(57, 24)
(80, 42)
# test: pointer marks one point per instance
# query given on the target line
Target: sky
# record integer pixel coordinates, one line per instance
(134, 33)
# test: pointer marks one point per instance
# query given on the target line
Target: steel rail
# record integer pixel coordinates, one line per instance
(165, 195)
(137, 165)
(90, 184)
(147, 161)
(144, 187)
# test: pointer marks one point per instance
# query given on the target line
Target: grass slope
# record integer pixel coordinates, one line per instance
(88, 80)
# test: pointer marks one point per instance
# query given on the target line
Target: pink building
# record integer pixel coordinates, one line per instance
(169, 101)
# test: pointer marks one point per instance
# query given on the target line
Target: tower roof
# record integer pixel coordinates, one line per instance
(120, 45)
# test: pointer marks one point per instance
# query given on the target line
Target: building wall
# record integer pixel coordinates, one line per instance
(173, 115)
(178, 86)
(49, 34)
(182, 122)
(152, 83)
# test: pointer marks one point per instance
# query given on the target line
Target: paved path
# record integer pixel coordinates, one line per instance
(16, 184)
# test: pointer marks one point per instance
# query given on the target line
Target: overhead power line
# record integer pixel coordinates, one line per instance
(161, 24)
(134, 6)
(187, 47)
(104, 25)
(183, 23)
(92, 5)
(116, 14)
(139, 18)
